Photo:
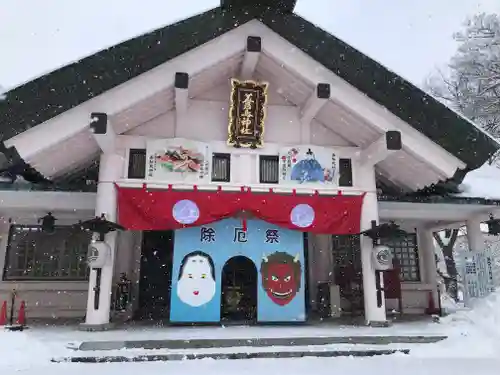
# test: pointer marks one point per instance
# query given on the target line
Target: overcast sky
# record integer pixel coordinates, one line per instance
(409, 37)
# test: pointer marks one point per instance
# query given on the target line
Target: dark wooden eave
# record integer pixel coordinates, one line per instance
(283, 6)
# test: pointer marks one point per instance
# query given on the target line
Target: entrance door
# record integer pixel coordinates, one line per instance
(156, 274)
(239, 290)
(348, 274)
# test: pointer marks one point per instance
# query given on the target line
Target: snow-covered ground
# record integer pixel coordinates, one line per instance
(316, 366)
(472, 347)
(44, 343)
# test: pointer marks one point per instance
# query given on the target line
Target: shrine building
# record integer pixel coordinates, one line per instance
(249, 167)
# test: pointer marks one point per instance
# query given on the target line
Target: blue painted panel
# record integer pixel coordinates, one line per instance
(200, 254)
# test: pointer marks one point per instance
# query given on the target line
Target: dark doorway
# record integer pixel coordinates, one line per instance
(156, 275)
(348, 274)
(239, 291)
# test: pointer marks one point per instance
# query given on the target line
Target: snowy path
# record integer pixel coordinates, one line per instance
(472, 348)
(29, 352)
(372, 366)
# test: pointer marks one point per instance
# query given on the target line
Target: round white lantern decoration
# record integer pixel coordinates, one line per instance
(98, 255)
(382, 258)
(185, 211)
(302, 215)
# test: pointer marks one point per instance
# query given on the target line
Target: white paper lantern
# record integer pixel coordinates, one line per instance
(98, 254)
(302, 215)
(185, 211)
(382, 258)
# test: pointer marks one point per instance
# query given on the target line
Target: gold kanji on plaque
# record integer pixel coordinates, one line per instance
(247, 113)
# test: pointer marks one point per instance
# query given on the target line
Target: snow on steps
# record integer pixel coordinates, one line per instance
(248, 354)
(201, 343)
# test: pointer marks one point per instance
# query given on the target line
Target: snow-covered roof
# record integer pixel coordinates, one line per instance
(483, 182)
(44, 98)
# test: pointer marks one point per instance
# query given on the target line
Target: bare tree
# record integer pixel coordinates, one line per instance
(450, 280)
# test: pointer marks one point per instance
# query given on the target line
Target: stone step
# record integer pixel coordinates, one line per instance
(251, 355)
(254, 342)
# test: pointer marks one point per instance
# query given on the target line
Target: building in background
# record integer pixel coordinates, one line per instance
(244, 150)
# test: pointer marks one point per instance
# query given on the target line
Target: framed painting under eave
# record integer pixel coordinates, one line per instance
(247, 113)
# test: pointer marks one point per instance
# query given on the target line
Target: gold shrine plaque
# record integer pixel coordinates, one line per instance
(247, 113)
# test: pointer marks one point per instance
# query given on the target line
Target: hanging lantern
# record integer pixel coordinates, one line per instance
(98, 254)
(384, 231)
(493, 226)
(382, 258)
(99, 225)
(48, 223)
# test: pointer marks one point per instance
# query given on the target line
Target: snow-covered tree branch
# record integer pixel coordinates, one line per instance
(472, 84)
(446, 245)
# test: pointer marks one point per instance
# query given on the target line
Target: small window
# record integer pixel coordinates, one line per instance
(405, 251)
(137, 163)
(269, 169)
(345, 172)
(346, 251)
(221, 167)
(35, 255)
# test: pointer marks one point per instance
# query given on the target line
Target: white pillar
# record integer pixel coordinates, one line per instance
(475, 237)
(311, 258)
(4, 241)
(135, 266)
(245, 164)
(373, 314)
(320, 263)
(110, 169)
(324, 257)
(426, 248)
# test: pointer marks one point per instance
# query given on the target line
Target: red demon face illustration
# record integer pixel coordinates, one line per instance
(281, 274)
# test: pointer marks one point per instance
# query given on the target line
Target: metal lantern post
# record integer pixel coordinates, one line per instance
(382, 257)
(99, 251)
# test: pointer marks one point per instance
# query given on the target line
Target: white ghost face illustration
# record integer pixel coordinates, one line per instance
(196, 285)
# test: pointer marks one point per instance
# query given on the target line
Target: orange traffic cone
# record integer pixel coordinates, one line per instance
(3, 314)
(21, 317)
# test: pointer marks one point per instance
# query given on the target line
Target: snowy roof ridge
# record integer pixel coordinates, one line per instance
(483, 182)
(461, 115)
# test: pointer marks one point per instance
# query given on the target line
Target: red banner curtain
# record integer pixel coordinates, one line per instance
(142, 209)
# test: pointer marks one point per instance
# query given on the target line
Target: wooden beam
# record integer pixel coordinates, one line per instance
(283, 6)
(181, 85)
(104, 133)
(387, 144)
(354, 101)
(311, 108)
(251, 58)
